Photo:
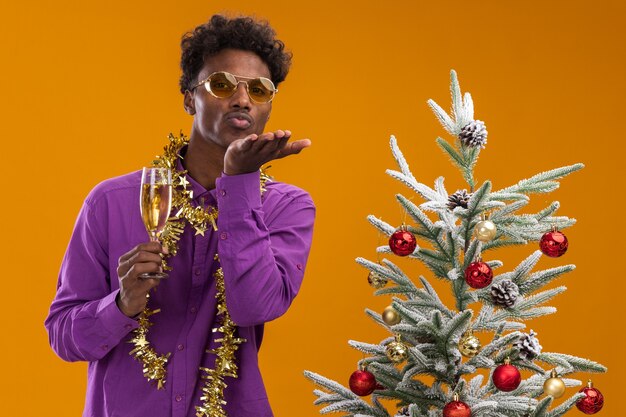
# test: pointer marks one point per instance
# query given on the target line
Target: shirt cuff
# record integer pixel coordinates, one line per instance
(112, 319)
(239, 191)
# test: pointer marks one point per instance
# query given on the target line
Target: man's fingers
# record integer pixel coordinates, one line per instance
(142, 259)
(280, 145)
(280, 139)
(154, 247)
(144, 256)
(268, 141)
(265, 140)
(248, 141)
(146, 284)
(133, 299)
(248, 154)
(294, 147)
(145, 252)
(144, 267)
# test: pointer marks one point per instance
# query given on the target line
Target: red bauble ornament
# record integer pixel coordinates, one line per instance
(553, 244)
(593, 401)
(402, 242)
(456, 408)
(506, 377)
(478, 275)
(362, 383)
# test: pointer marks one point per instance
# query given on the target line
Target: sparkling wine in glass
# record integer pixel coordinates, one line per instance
(155, 202)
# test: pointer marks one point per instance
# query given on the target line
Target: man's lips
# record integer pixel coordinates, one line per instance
(239, 120)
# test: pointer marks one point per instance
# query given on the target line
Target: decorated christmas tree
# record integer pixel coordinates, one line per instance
(433, 364)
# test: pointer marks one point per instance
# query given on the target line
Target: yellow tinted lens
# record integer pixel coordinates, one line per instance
(261, 90)
(221, 85)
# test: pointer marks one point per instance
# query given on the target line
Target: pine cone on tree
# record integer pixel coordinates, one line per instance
(459, 199)
(504, 293)
(528, 345)
(474, 134)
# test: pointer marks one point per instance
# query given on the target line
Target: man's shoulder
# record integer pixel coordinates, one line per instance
(115, 187)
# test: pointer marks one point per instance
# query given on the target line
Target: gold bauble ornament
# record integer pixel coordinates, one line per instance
(391, 316)
(469, 345)
(485, 230)
(377, 281)
(554, 386)
(397, 351)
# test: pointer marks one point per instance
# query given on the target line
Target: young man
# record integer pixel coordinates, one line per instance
(102, 312)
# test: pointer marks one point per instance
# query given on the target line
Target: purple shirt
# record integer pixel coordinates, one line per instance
(263, 244)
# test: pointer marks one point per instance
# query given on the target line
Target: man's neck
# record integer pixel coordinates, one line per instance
(204, 161)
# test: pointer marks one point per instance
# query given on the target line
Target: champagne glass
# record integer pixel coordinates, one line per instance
(155, 203)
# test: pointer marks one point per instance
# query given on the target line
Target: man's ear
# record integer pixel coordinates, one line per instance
(188, 103)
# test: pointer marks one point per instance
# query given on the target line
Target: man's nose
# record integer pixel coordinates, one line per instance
(240, 97)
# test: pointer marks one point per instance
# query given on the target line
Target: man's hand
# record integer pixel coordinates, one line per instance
(250, 153)
(133, 290)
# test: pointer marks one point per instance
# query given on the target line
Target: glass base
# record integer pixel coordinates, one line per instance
(154, 275)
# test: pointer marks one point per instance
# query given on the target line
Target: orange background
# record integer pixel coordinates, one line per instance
(89, 91)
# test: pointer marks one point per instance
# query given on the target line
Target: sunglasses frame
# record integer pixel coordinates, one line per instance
(239, 79)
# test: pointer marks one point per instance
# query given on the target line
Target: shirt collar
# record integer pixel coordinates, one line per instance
(199, 192)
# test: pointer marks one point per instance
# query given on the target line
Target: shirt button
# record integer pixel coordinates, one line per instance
(197, 272)
(193, 310)
(179, 398)
(299, 266)
(104, 347)
(222, 193)
(180, 347)
(223, 235)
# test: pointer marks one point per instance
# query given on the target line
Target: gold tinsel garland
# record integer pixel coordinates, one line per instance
(153, 363)
(199, 218)
(225, 365)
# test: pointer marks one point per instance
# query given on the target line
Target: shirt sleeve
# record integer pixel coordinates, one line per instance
(84, 322)
(263, 253)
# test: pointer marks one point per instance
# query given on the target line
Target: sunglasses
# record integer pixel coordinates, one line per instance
(223, 84)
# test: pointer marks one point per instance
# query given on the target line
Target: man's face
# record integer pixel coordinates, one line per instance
(224, 120)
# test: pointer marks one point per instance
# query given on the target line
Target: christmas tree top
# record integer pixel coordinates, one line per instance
(457, 234)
